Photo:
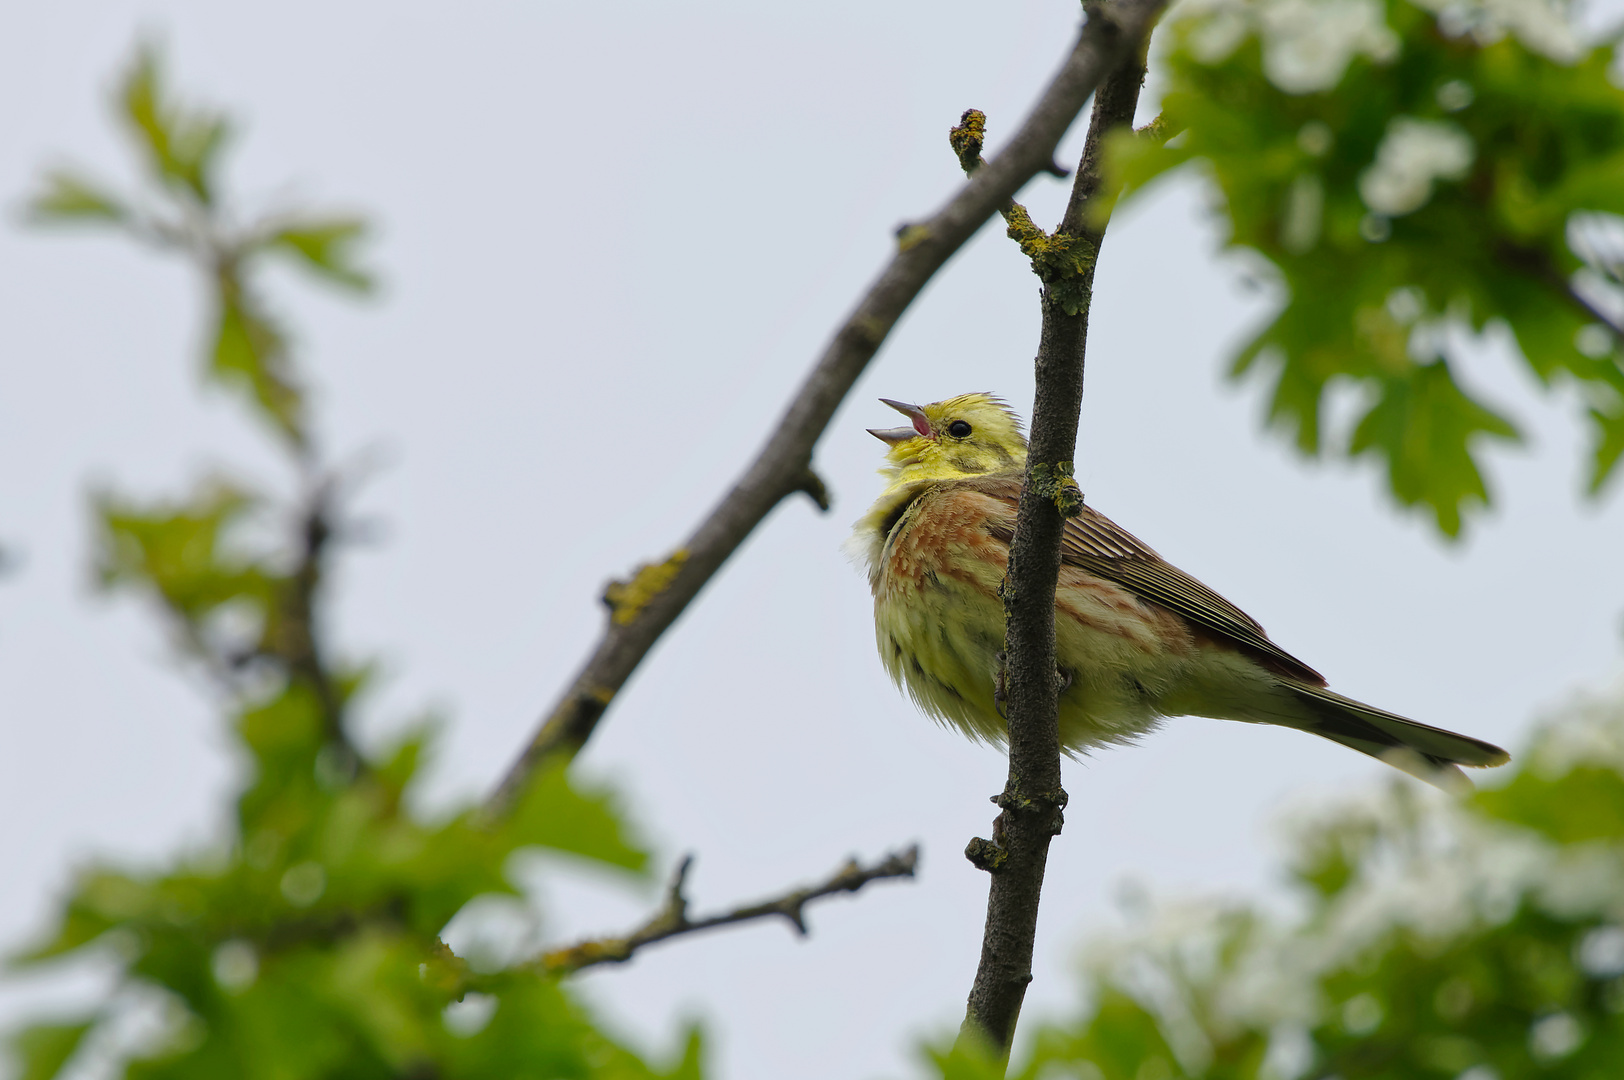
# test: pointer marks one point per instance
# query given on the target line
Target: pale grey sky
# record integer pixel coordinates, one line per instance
(612, 237)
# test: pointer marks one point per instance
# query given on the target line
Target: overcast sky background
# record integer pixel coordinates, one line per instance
(612, 237)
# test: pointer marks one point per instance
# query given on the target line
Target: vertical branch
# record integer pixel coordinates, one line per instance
(642, 609)
(298, 642)
(1032, 801)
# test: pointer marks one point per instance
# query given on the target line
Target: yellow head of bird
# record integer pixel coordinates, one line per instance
(961, 436)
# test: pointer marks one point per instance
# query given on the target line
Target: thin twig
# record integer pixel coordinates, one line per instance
(299, 643)
(672, 918)
(783, 465)
(1586, 305)
(1033, 800)
(967, 139)
(1538, 264)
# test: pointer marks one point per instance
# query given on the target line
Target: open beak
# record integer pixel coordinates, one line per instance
(921, 426)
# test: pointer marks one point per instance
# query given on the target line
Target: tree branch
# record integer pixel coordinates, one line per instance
(784, 462)
(1538, 264)
(1586, 305)
(1032, 801)
(672, 919)
(967, 139)
(299, 632)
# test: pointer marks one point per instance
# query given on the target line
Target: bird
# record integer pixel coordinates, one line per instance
(1136, 639)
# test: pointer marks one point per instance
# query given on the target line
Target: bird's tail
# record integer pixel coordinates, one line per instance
(1427, 753)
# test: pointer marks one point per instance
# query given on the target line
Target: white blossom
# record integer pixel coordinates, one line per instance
(1307, 44)
(1426, 864)
(1413, 155)
(1545, 26)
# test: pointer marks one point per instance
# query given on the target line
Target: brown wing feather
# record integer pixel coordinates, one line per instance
(1095, 543)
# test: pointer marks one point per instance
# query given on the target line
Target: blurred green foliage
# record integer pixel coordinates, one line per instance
(1479, 939)
(181, 147)
(1415, 173)
(305, 941)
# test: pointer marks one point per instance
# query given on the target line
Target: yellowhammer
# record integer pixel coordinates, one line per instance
(1136, 639)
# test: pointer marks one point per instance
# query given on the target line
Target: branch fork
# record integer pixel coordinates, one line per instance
(1033, 801)
(781, 467)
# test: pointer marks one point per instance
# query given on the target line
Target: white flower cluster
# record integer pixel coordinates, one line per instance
(1307, 44)
(1545, 26)
(1426, 864)
(1588, 731)
(1413, 155)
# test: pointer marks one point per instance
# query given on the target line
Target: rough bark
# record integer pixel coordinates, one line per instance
(1033, 801)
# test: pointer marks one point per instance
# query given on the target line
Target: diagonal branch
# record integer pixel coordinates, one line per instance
(1538, 264)
(672, 918)
(298, 642)
(1579, 300)
(783, 466)
(1032, 801)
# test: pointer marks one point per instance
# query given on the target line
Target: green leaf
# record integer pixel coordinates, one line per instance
(101, 900)
(304, 941)
(1425, 427)
(250, 353)
(538, 1030)
(691, 1065)
(1295, 152)
(967, 1058)
(1133, 160)
(1125, 1040)
(69, 197)
(1609, 446)
(398, 766)
(182, 144)
(1586, 803)
(181, 551)
(45, 1048)
(554, 813)
(327, 248)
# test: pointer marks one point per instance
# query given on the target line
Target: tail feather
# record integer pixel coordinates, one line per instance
(1427, 753)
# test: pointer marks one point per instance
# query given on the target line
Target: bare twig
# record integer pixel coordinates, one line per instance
(1032, 801)
(672, 918)
(966, 140)
(1538, 264)
(784, 463)
(297, 627)
(1586, 305)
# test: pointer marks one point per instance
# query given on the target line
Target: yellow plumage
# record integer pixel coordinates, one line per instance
(1136, 639)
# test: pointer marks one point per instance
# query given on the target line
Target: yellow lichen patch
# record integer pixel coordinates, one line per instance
(912, 236)
(1020, 228)
(1060, 259)
(968, 137)
(627, 598)
(586, 954)
(1054, 483)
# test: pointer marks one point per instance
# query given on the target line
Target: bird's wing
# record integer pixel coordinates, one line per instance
(1098, 545)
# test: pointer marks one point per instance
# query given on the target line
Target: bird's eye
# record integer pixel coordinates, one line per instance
(959, 429)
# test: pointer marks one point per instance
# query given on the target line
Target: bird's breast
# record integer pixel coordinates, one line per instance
(944, 538)
(939, 623)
